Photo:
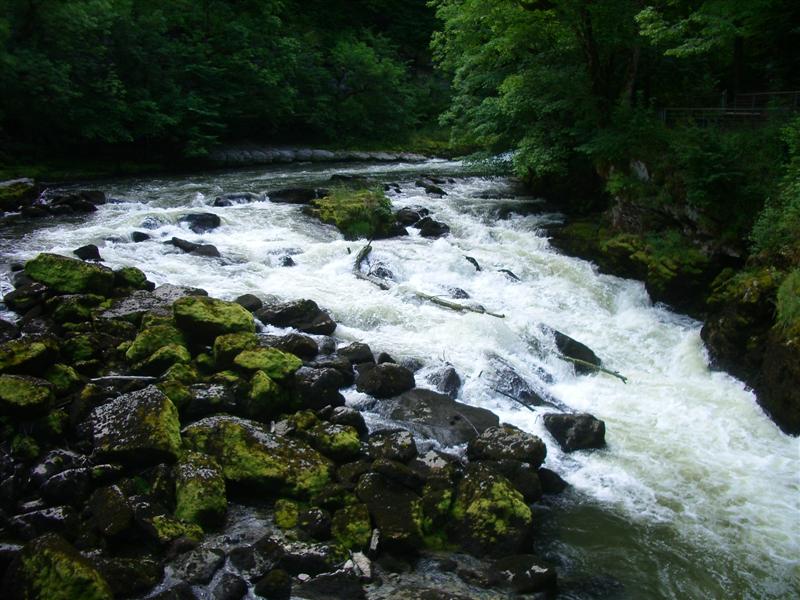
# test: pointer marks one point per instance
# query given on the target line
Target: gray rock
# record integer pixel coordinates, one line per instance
(385, 380)
(507, 442)
(576, 432)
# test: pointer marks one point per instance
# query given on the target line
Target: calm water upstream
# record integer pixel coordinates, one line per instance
(697, 494)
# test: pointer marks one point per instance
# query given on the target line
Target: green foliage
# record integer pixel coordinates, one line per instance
(788, 301)
(357, 213)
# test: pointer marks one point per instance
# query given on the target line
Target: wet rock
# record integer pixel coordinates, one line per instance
(159, 302)
(131, 278)
(303, 315)
(88, 252)
(576, 432)
(17, 192)
(315, 523)
(340, 585)
(399, 473)
(25, 396)
(208, 250)
(344, 415)
(199, 490)
(430, 187)
(317, 388)
(458, 294)
(275, 585)
(385, 357)
(237, 198)
(552, 483)
(394, 510)
(385, 380)
(272, 362)
(507, 442)
(339, 363)
(70, 275)
(522, 476)
(201, 222)
(357, 353)
(49, 567)
(179, 591)
(300, 345)
(250, 302)
(522, 574)
(230, 587)
(58, 519)
(507, 382)
(392, 445)
(55, 462)
(26, 297)
(489, 516)
(286, 261)
(409, 215)
(438, 416)
(249, 454)
(338, 442)
(203, 318)
(351, 526)
(138, 428)
(130, 576)
(572, 348)
(446, 381)
(199, 565)
(430, 228)
(296, 195)
(111, 513)
(139, 236)
(71, 486)
(207, 399)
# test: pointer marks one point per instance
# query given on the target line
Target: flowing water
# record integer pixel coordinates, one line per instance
(697, 494)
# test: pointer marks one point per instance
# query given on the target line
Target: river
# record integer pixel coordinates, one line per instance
(697, 494)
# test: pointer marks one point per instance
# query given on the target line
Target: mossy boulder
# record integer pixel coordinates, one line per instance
(163, 359)
(351, 526)
(165, 529)
(17, 192)
(73, 308)
(29, 355)
(69, 275)
(182, 373)
(488, 515)
(25, 396)
(338, 442)
(506, 442)
(250, 455)
(49, 568)
(131, 278)
(152, 339)
(78, 348)
(395, 510)
(203, 318)
(356, 213)
(271, 361)
(287, 513)
(137, 428)
(199, 490)
(63, 378)
(178, 393)
(265, 399)
(228, 346)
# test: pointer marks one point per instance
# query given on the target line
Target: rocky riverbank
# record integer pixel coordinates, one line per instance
(735, 297)
(143, 426)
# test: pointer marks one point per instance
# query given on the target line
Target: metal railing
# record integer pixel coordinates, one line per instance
(745, 109)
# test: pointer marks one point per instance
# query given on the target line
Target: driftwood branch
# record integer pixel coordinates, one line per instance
(593, 367)
(360, 258)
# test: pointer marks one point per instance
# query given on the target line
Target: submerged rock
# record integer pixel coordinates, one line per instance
(196, 249)
(248, 454)
(296, 195)
(574, 349)
(303, 315)
(431, 228)
(523, 574)
(576, 432)
(201, 222)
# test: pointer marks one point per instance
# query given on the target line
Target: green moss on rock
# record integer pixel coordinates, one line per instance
(165, 529)
(227, 346)
(63, 378)
(351, 526)
(74, 308)
(28, 355)
(265, 399)
(356, 213)
(287, 513)
(339, 442)
(204, 318)
(183, 373)
(249, 454)
(199, 490)
(24, 448)
(49, 568)
(151, 339)
(78, 348)
(21, 395)
(131, 278)
(274, 363)
(164, 358)
(69, 275)
(177, 392)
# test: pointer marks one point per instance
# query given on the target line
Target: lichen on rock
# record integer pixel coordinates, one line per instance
(69, 275)
(199, 490)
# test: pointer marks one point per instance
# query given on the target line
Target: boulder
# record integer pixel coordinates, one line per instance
(111, 513)
(437, 416)
(237, 198)
(385, 380)
(139, 236)
(199, 565)
(30, 354)
(340, 585)
(199, 490)
(351, 526)
(203, 318)
(303, 315)
(522, 574)
(275, 585)
(317, 388)
(300, 345)
(159, 302)
(229, 345)
(409, 215)
(201, 222)
(130, 576)
(137, 428)
(26, 296)
(131, 278)
(265, 399)
(249, 454)
(229, 587)
(17, 192)
(488, 515)
(396, 445)
(576, 432)
(88, 252)
(446, 381)
(25, 396)
(152, 339)
(574, 349)
(58, 519)
(70, 275)
(394, 510)
(274, 363)
(552, 482)
(296, 195)
(250, 302)
(49, 568)
(507, 442)
(357, 353)
(430, 228)
(196, 249)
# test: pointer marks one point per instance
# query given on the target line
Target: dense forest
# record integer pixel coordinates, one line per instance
(617, 109)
